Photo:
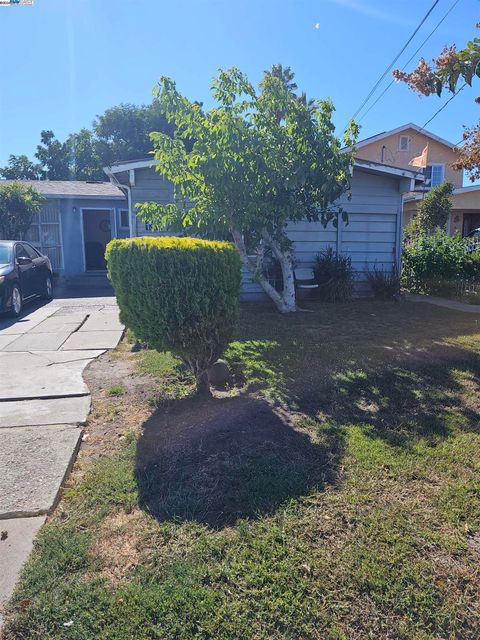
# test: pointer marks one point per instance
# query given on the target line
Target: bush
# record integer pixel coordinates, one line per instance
(435, 263)
(179, 295)
(385, 285)
(334, 276)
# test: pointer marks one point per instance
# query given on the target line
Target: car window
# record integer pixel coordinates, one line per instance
(20, 251)
(31, 251)
(5, 253)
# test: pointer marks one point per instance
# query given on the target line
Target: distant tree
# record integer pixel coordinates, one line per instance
(21, 168)
(120, 133)
(53, 156)
(18, 205)
(433, 211)
(445, 72)
(259, 159)
(123, 132)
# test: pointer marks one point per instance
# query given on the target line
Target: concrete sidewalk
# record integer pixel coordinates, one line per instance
(445, 302)
(43, 403)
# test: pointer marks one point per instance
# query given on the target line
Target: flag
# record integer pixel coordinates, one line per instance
(420, 161)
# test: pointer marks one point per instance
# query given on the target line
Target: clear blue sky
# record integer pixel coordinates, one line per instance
(64, 61)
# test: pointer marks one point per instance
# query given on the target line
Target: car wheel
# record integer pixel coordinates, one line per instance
(48, 291)
(17, 303)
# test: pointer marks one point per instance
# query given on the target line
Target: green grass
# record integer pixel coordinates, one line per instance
(115, 390)
(377, 545)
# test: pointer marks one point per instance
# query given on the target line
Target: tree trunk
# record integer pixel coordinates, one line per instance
(203, 385)
(285, 302)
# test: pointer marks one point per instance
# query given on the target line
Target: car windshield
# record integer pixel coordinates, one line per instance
(5, 253)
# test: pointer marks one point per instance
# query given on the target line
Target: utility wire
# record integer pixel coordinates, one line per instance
(410, 59)
(445, 104)
(375, 86)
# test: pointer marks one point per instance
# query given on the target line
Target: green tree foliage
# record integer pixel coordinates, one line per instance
(18, 205)
(433, 211)
(120, 133)
(179, 295)
(259, 159)
(123, 132)
(21, 168)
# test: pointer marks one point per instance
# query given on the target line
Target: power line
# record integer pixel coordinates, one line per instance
(411, 58)
(375, 86)
(444, 105)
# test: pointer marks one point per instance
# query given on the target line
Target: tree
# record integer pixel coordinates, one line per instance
(53, 156)
(259, 159)
(433, 211)
(445, 72)
(120, 133)
(18, 205)
(21, 168)
(123, 132)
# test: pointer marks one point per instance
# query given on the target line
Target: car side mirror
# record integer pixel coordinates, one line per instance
(24, 260)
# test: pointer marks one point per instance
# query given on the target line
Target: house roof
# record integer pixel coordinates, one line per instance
(72, 188)
(457, 191)
(127, 165)
(410, 125)
(377, 167)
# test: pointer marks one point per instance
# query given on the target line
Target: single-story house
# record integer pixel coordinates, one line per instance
(465, 216)
(76, 222)
(372, 236)
(78, 219)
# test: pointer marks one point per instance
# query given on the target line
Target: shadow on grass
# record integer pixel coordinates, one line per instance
(215, 461)
(402, 403)
(398, 369)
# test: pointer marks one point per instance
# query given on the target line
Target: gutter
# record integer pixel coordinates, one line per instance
(124, 187)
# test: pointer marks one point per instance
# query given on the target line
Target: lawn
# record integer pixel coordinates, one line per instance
(332, 493)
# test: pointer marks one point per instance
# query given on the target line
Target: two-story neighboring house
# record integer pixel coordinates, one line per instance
(397, 148)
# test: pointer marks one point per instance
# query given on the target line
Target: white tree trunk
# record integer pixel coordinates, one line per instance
(285, 302)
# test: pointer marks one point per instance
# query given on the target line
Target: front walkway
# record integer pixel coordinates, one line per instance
(43, 402)
(445, 302)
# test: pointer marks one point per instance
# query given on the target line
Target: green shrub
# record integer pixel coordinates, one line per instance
(334, 276)
(436, 263)
(384, 284)
(179, 295)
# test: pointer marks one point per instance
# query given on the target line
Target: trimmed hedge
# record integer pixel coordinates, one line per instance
(178, 294)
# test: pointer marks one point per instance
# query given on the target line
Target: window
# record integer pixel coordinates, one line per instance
(434, 175)
(20, 251)
(404, 143)
(31, 251)
(124, 219)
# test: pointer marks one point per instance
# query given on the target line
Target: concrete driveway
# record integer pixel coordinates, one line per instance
(43, 403)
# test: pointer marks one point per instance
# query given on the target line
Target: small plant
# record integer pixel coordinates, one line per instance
(334, 276)
(385, 285)
(116, 390)
(179, 295)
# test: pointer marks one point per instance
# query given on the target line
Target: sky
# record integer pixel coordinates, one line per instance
(65, 61)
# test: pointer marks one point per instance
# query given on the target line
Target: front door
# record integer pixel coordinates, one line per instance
(471, 221)
(97, 234)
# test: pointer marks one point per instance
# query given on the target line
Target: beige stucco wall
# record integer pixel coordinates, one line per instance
(468, 201)
(437, 153)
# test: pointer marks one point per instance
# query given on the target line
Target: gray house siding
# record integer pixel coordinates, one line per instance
(149, 187)
(370, 238)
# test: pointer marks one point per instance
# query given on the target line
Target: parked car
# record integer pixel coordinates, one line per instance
(473, 239)
(25, 274)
